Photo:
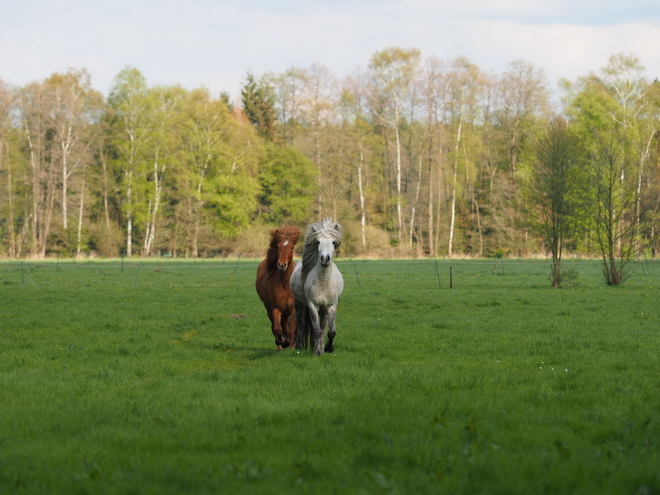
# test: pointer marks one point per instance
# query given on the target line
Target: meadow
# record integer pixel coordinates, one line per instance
(158, 377)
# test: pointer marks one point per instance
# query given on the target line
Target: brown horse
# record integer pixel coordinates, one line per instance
(273, 287)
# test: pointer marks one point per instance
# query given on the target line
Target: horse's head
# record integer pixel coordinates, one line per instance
(282, 243)
(326, 247)
(327, 235)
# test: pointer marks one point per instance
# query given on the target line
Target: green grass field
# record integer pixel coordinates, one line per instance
(163, 378)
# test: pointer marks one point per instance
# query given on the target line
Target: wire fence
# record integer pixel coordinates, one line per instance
(426, 273)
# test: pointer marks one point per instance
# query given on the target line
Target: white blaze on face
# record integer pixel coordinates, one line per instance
(286, 243)
(326, 251)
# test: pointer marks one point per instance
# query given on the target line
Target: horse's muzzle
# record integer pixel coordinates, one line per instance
(325, 260)
(282, 266)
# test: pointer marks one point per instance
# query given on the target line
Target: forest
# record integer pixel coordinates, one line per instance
(416, 157)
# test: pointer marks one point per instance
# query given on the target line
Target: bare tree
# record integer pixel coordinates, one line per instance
(35, 104)
(434, 92)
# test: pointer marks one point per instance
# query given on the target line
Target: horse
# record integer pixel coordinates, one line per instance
(273, 275)
(317, 284)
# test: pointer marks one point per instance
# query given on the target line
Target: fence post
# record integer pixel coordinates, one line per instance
(356, 274)
(451, 278)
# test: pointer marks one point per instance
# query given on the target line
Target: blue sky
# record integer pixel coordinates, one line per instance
(214, 43)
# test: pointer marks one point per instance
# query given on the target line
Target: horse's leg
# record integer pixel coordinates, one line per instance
(286, 329)
(301, 329)
(332, 331)
(317, 330)
(290, 327)
(323, 322)
(277, 329)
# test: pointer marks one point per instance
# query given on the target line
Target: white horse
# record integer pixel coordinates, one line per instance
(317, 285)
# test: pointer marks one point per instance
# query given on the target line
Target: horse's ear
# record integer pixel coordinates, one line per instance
(277, 231)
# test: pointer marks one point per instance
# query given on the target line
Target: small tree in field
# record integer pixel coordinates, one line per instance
(548, 190)
(611, 187)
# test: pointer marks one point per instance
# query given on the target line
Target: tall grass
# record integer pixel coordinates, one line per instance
(164, 378)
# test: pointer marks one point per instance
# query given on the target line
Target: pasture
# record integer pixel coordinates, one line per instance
(162, 377)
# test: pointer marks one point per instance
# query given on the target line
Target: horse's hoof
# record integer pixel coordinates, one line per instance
(279, 347)
(329, 347)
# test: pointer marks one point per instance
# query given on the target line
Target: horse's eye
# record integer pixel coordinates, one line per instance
(318, 242)
(334, 243)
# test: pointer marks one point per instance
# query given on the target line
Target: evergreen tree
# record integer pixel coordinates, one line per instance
(259, 106)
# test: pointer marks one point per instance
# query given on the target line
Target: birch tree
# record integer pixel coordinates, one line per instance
(77, 108)
(465, 82)
(35, 104)
(7, 175)
(164, 147)
(391, 74)
(132, 133)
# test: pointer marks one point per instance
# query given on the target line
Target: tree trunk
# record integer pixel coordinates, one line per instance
(454, 185)
(80, 214)
(105, 192)
(129, 214)
(399, 213)
(414, 206)
(363, 216)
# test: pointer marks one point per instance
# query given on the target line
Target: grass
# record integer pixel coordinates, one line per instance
(163, 378)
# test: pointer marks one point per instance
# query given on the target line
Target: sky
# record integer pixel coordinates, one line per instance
(213, 44)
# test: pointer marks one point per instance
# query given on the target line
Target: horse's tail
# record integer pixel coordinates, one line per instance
(304, 325)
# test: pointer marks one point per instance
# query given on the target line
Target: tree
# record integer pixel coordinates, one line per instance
(288, 89)
(288, 185)
(391, 73)
(35, 105)
(624, 78)
(610, 176)
(77, 110)
(204, 131)
(612, 194)
(434, 90)
(9, 146)
(133, 126)
(523, 105)
(618, 126)
(548, 190)
(166, 104)
(259, 106)
(465, 83)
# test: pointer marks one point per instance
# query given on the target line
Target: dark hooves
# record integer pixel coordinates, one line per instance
(329, 347)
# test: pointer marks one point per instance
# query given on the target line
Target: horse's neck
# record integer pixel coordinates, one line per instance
(324, 273)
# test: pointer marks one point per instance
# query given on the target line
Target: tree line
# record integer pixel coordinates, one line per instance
(416, 157)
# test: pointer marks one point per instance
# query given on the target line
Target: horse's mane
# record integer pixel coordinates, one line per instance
(322, 228)
(286, 232)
